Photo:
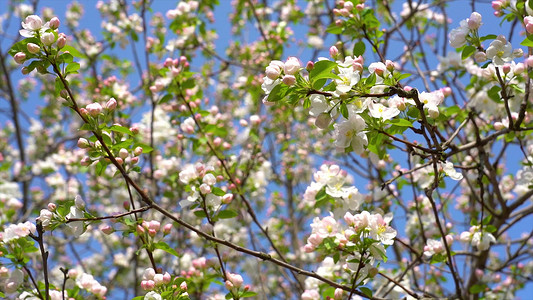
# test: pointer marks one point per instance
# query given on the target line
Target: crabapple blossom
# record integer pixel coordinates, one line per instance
(292, 66)
(458, 35)
(350, 132)
(500, 51)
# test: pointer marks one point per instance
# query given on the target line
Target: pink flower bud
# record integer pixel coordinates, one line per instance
(33, 48)
(155, 225)
(119, 160)
(183, 286)
(126, 205)
(135, 129)
(94, 109)
(52, 207)
(496, 5)
(54, 23)
(446, 91)
(20, 57)
(289, 79)
(228, 285)
(85, 161)
(272, 72)
(166, 277)
(158, 279)
(123, 153)
(227, 198)
(333, 52)
(111, 104)
(107, 229)
(310, 66)
(137, 151)
(167, 228)
(348, 5)
(205, 189)
(506, 68)
(474, 22)
(83, 143)
(360, 6)
(292, 66)
(48, 38)
(140, 229)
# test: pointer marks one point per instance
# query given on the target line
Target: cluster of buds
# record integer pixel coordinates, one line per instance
(123, 156)
(94, 109)
(152, 280)
(290, 68)
(175, 66)
(47, 35)
(498, 7)
(152, 227)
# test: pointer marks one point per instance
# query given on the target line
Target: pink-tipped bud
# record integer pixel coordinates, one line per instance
(123, 153)
(107, 229)
(158, 279)
(167, 278)
(52, 207)
(48, 38)
(83, 143)
(134, 160)
(167, 228)
(183, 286)
(446, 91)
(140, 229)
(111, 104)
(152, 232)
(137, 151)
(348, 5)
(119, 160)
(333, 52)
(126, 205)
(85, 161)
(506, 68)
(20, 57)
(289, 79)
(54, 23)
(135, 129)
(310, 66)
(227, 198)
(94, 109)
(168, 62)
(33, 48)
(360, 6)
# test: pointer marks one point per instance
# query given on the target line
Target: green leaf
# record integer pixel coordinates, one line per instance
(138, 298)
(276, 93)
(248, 294)
(488, 37)
(165, 99)
(121, 129)
(322, 69)
(401, 122)
(490, 228)
(476, 288)
(73, 51)
(217, 191)
(200, 213)
(72, 67)
(344, 110)
(494, 93)
(366, 291)
(165, 247)
(528, 41)
(486, 220)
(227, 214)
(334, 29)
(468, 51)
(146, 148)
(359, 48)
